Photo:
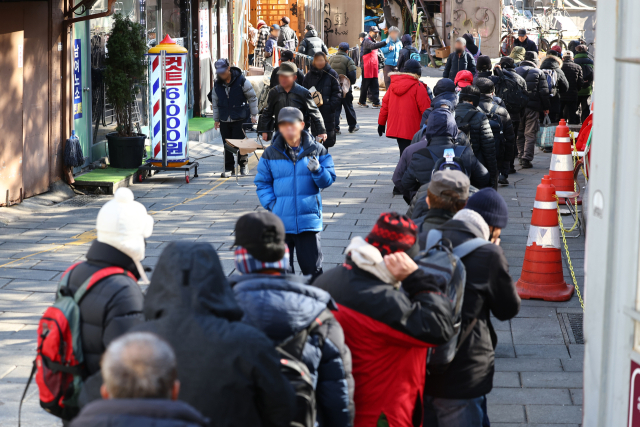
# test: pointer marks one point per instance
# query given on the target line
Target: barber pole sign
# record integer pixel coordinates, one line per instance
(176, 103)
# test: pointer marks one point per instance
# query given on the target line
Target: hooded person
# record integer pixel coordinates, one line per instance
(407, 99)
(286, 308)
(457, 396)
(388, 329)
(113, 305)
(228, 370)
(311, 43)
(552, 66)
(407, 50)
(517, 53)
(471, 46)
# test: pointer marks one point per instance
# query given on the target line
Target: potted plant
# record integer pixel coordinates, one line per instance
(124, 73)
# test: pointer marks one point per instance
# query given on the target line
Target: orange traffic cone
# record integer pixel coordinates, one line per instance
(542, 275)
(561, 167)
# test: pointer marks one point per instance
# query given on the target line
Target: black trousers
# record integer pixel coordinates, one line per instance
(373, 85)
(308, 252)
(585, 105)
(403, 144)
(515, 149)
(232, 130)
(570, 112)
(347, 103)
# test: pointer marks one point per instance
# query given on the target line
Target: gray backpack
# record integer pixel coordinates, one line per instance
(443, 260)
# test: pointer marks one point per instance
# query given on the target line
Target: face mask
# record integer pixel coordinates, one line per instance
(458, 51)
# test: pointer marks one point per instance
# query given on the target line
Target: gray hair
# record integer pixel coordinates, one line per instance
(461, 40)
(393, 29)
(139, 365)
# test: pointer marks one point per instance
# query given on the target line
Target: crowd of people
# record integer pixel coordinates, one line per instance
(381, 340)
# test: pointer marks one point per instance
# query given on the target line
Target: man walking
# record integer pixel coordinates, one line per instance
(370, 68)
(538, 91)
(573, 73)
(287, 38)
(459, 60)
(524, 41)
(344, 66)
(285, 56)
(289, 93)
(233, 100)
(291, 173)
(391, 54)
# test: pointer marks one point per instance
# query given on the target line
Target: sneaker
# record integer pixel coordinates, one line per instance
(356, 128)
(503, 180)
(547, 150)
(526, 164)
(227, 174)
(338, 131)
(363, 105)
(244, 170)
(376, 106)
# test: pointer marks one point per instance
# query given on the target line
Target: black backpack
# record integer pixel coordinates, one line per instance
(497, 128)
(509, 90)
(297, 372)
(464, 127)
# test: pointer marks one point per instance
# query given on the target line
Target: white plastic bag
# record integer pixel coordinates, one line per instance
(358, 83)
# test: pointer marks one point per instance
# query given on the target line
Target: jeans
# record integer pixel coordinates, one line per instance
(455, 412)
(308, 252)
(585, 105)
(527, 133)
(570, 112)
(386, 70)
(232, 130)
(347, 103)
(373, 85)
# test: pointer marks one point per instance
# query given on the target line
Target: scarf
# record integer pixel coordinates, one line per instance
(247, 264)
(368, 258)
(473, 217)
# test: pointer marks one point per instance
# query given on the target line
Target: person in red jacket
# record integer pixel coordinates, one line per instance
(370, 68)
(407, 98)
(387, 328)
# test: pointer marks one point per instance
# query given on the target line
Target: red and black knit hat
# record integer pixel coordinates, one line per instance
(393, 233)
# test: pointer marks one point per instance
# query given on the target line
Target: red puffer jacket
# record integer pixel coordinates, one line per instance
(406, 100)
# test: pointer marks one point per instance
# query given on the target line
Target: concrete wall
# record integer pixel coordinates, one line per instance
(490, 33)
(343, 21)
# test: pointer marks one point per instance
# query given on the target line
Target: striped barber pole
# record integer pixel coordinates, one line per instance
(156, 114)
(542, 276)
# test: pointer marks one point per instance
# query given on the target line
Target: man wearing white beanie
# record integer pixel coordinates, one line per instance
(113, 304)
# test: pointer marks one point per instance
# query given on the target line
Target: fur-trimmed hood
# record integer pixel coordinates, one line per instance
(551, 63)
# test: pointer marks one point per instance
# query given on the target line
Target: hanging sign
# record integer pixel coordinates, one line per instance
(203, 14)
(77, 79)
(176, 102)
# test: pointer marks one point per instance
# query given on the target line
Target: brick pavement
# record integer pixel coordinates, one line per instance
(538, 379)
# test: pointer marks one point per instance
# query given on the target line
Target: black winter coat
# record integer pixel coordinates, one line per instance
(228, 370)
(287, 37)
(326, 82)
(139, 413)
(506, 150)
(515, 114)
(457, 63)
(562, 85)
(537, 87)
(111, 307)
(405, 55)
(575, 77)
(421, 167)
(481, 136)
(528, 45)
(432, 218)
(312, 44)
(273, 81)
(297, 97)
(489, 289)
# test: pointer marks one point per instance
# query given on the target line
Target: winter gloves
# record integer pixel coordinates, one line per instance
(381, 129)
(313, 164)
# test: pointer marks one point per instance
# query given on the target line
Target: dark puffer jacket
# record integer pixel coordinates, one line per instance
(139, 413)
(312, 44)
(528, 44)
(457, 63)
(489, 289)
(562, 85)
(405, 54)
(537, 87)
(515, 113)
(326, 82)
(282, 306)
(575, 78)
(481, 136)
(228, 370)
(111, 307)
(486, 104)
(287, 37)
(421, 167)
(297, 97)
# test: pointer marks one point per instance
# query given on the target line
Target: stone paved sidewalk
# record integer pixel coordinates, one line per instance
(538, 379)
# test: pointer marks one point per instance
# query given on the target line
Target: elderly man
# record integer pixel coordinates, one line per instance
(459, 60)
(525, 42)
(370, 68)
(140, 387)
(391, 54)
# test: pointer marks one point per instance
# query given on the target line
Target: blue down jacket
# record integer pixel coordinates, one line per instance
(282, 306)
(289, 189)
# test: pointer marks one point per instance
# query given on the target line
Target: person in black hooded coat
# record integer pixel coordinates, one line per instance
(325, 80)
(562, 86)
(228, 370)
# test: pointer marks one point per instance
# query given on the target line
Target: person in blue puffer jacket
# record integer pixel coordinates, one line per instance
(391, 54)
(294, 315)
(290, 175)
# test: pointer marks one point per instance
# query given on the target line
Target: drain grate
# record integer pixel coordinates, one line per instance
(575, 320)
(80, 200)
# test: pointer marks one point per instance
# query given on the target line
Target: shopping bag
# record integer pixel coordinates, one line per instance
(546, 134)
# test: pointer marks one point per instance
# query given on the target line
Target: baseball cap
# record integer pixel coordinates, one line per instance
(221, 65)
(343, 46)
(464, 78)
(522, 32)
(275, 27)
(288, 69)
(286, 55)
(290, 115)
(262, 234)
(374, 28)
(567, 54)
(450, 180)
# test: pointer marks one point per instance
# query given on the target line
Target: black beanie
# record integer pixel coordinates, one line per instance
(484, 63)
(491, 206)
(484, 84)
(444, 85)
(531, 56)
(413, 66)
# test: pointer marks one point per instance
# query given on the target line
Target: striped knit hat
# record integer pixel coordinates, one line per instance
(393, 232)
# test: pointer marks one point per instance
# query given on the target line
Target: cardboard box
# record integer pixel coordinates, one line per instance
(443, 52)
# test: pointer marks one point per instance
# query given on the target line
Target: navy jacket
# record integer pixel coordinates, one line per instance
(528, 45)
(289, 189)
(282, 306)
(457, 63)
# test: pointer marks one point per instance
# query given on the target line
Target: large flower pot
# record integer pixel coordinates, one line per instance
(125, 152)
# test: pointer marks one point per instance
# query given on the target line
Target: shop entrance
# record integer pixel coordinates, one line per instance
(270, 11)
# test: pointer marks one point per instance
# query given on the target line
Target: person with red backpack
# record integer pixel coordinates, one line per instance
(97, 301)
